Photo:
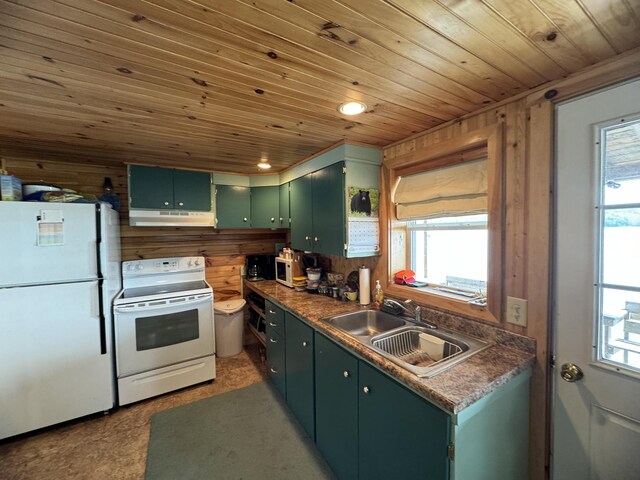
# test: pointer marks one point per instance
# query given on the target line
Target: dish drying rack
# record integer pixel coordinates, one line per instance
(406, 347)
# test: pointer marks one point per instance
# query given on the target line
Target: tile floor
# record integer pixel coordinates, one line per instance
(114, 446)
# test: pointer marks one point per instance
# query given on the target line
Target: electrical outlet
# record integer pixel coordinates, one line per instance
(517, 311)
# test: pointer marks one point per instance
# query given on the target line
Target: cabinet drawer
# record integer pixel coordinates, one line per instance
(275, 317)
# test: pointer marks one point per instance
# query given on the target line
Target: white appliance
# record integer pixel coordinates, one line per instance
(284, 271)
(59, 272)
(164, 329)
(170, 218)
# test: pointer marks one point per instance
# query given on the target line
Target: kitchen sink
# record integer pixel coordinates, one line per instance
(420, 350)
(366, 323)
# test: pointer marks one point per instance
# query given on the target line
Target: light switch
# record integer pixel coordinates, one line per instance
(517, 311)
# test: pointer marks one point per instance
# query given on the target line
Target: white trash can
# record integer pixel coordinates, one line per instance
(229, 327)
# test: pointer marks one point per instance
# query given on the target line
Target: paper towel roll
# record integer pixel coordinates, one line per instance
(365, 286)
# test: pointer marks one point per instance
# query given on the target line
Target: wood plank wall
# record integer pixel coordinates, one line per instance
(224, 250)
(528, 123)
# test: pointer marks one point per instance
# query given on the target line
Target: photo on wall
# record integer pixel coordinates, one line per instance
(363, 202)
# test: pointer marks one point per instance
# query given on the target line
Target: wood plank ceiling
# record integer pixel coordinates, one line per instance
(219, 85)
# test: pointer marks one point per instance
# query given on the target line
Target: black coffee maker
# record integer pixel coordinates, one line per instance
(261, 267)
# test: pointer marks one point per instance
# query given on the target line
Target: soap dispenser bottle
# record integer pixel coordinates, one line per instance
(378, 296)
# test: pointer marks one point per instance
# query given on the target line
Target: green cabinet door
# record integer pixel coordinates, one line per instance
(299, 373)
(300, 208)
(337, 407)
(150, 187)
(401, 435)
(276, 361)
(284, 205)
(329, 210)
(265, 206)
(233, 206)
(192, 190)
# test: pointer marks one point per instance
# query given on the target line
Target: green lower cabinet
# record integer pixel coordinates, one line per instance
(276, 361)
(337, 407)
(401, 435)
(299, 371)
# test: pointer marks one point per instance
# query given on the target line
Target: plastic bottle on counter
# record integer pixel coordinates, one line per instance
(378, 296)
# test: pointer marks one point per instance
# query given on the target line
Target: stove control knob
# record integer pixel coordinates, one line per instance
(197, 262)
(190, 263)
(139, 267)
(130, 267)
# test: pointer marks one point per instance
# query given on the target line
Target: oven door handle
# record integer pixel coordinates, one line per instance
(161, 304)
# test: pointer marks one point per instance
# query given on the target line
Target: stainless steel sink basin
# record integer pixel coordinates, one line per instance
(366, 323)
(398, 339)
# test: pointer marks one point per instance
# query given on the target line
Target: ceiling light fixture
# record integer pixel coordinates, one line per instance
(264, 165)
(352, 108)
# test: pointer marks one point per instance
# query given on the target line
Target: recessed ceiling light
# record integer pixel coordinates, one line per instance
(264, 165)
(352, 108)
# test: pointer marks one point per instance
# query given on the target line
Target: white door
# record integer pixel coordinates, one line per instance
(47, 243)
(596, 310)
(53, 363)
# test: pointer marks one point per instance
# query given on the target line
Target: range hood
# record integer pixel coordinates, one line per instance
(170, 218)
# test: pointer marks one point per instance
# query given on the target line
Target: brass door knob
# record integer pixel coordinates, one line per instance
(570, 372)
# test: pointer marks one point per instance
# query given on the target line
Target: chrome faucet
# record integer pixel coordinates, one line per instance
(416, 314)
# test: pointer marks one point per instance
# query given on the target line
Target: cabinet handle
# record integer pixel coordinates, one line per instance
(275, 341)
(271, 324)
(181, 204)
(366, 389)
(281, 218)
(273, 370)
(316, 239)
(306, 238)
(273, 219)
(166, 203)
(304, 344)
(345, 374)
(272, 312)
(244, 219)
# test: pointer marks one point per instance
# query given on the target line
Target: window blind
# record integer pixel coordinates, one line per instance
(447, 191)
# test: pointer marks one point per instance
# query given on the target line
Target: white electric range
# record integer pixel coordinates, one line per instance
(164, 328)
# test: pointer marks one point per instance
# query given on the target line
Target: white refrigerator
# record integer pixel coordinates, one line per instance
(59, 273)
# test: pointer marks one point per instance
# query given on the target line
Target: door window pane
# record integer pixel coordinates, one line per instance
(619, 221)
(621, 163)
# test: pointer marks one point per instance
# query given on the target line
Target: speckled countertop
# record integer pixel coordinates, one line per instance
(455, 388)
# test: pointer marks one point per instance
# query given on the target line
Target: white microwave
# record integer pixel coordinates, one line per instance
(284, 271)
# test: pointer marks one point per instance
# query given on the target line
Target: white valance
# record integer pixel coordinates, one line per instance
(447, 191)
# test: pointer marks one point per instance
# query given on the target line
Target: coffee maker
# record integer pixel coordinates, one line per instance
(261, 267)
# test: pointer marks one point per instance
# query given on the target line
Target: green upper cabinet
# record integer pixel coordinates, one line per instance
(168, 188)
(299, 371)
(265, 207)
(284, 205)
(233, 206)
(317, 206)
(329, 210)
(192, 190)
(401, 435)
(301, 205)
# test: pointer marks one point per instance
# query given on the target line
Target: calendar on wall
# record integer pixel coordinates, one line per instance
(363, 226)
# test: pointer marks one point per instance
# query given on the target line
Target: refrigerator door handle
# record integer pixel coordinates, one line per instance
(103, 321)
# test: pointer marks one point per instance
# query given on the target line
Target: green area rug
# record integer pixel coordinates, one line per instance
(244, 434)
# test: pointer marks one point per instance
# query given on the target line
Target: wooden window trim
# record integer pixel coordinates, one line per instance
(489, 141)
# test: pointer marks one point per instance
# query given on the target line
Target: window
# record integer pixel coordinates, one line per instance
(445, 223)
(451, 252)
(618, 219)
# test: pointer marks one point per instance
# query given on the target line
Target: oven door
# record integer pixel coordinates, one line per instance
(159, 333)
